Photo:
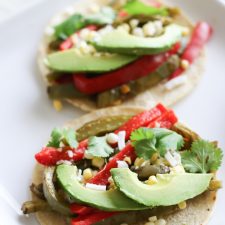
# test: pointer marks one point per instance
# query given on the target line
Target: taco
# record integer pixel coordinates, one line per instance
(125, 166)
(105, 53)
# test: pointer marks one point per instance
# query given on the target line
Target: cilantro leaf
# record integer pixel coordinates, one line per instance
(69, 26)
(203, 157)
(60, 135)
(69, 135)
(98, 146)
(55, 138)
(147, 141)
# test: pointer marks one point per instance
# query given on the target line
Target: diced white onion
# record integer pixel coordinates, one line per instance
(122, 164)
(175, 82)
(171, 159)
(112, 138)
(96, 187)
(121, 139)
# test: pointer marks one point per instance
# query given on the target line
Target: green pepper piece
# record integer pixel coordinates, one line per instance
(101, 126)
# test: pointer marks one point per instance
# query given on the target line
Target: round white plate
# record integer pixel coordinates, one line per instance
(27, 116)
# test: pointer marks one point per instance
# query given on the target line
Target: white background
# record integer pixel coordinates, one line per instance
(27, 116)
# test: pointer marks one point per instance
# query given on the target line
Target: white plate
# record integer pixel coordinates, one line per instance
(27, 116)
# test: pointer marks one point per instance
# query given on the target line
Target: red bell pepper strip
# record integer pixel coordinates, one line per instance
(137, 69)
(141, 119)
(50, 156)
(201, 34)
(92, 218)
(80, 209)
(68, 43)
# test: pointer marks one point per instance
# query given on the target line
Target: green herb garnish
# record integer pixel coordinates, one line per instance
(203, 157)
(98, 146)
(67, 136)
(147, 141)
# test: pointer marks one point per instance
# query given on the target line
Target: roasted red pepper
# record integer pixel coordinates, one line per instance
(92, 218)
(137, 69)
(141, 119)
(80, 209)
(50, 156)
(201, 34)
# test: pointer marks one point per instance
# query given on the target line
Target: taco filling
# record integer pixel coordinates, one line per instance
(114, 53)
(124, 169)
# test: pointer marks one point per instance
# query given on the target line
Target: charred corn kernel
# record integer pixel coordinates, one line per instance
(87, 174)
(154, 157)
(151, 180)
(98, 162)
(182, 205)
(57, 105)
(184, 64)
(124, 89)
(215, 185)
(124, 27)
(138, 162)
(152, 218)
(127, 160)
(160, 222)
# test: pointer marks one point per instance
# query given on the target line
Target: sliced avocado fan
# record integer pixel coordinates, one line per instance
(170, 189)
(119, 41)
(112, 200)
(72, 61)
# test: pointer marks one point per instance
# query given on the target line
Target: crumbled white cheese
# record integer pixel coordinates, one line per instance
(171, 159)
(112, 138)
(152, 218)
(175, 82)
(149, 29)
(121, 139)
(121, 164)
(134, 23)
(96, 187)
(66, 162)
(70, 153)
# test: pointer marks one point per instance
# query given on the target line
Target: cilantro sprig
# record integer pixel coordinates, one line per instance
(67, 136)
(98, 146)
(203, 157)
(147, 141)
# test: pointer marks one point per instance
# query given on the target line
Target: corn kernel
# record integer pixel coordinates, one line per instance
(186, 32)
(215, 185)
(98, 162)
(138, 162)
(182, 205)
(154, 157)
(151, 180)
(152, 218)
(124, 89)
(87, 174)
(127, 160)
(184, 64)
(57, 105)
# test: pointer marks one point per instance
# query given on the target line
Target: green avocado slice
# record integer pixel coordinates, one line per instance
(119, 41)
(170, 189)
(71, 61)
(112, 200)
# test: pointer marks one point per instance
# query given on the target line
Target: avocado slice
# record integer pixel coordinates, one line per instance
(112, 200)
(171, 189)
(72, 61)
(119, 41)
